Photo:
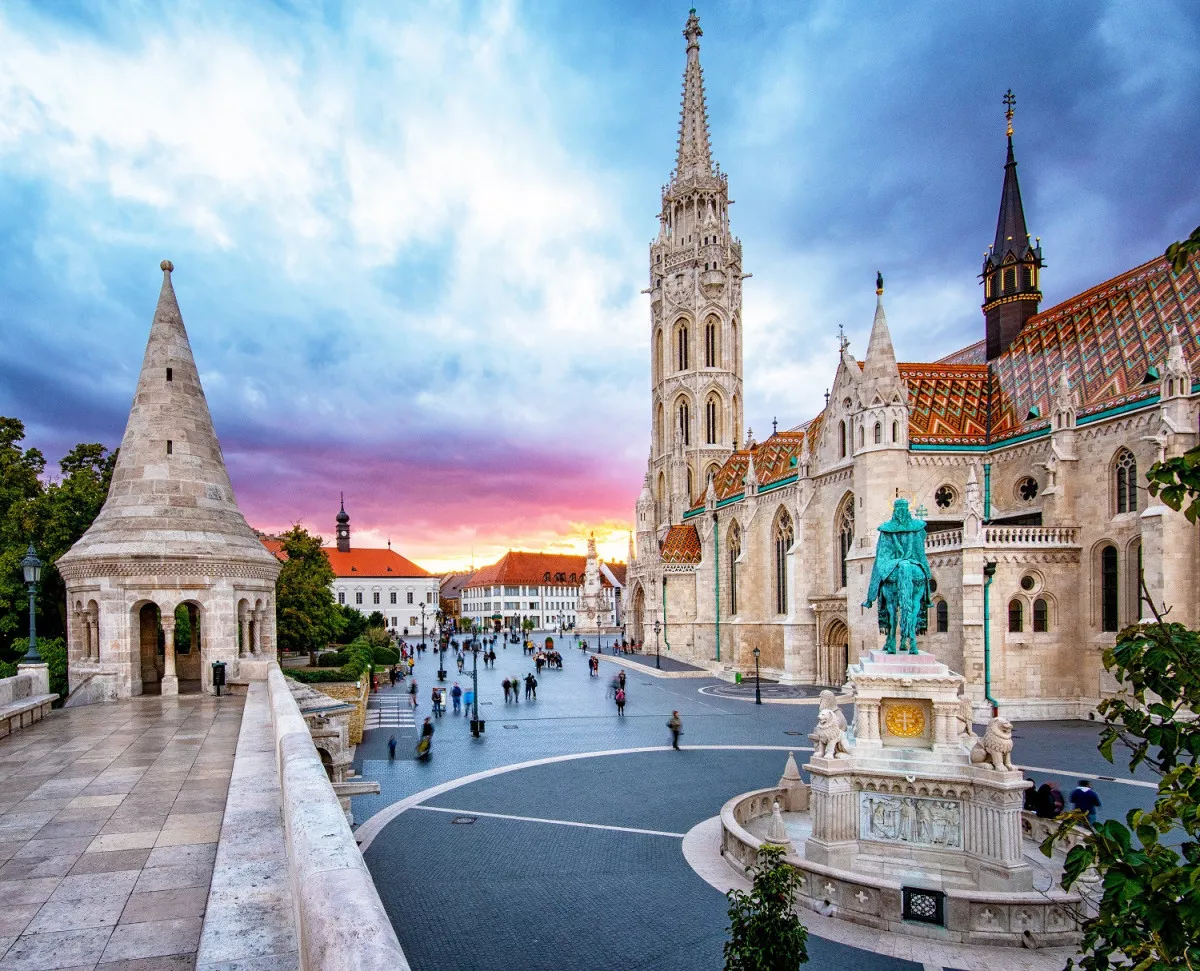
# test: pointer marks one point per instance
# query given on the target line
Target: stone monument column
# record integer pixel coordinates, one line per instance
(170, 682)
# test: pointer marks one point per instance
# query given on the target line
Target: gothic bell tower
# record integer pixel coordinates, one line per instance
(696, 311)
(1013, 265)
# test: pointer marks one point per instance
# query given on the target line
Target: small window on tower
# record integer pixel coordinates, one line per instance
(169, 375)
(169, 446)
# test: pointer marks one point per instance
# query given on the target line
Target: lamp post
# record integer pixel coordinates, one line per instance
(475, 690)
(757, 687)
(32, 568)
(657, 654)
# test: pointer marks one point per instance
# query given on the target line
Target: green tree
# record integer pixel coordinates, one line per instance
(765, 933)
(376, 619)
(307, 617)
(527, 624)
(20, 488)
(1181, 252)
(354, 624)
(1149, 912)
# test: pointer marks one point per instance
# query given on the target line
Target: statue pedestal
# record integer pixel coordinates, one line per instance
(907, 802)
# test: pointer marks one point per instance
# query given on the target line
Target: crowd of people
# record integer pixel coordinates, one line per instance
(1047, 801)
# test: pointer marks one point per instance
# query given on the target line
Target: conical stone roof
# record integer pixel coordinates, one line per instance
(170, 496)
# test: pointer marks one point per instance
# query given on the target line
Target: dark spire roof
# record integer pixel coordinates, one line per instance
(1011, 233)
(343, 516)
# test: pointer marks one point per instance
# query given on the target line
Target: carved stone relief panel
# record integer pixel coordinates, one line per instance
(914, 820)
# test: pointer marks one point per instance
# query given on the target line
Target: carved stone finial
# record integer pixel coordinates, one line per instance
(166, 266)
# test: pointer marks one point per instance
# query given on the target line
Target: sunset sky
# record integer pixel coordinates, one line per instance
(410, 238)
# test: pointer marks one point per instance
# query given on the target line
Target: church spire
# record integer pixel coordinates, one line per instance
(880, 363)
(695, 156)
(1012, 264)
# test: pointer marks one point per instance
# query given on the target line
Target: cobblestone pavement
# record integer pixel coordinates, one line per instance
(109, 827)
(514, 889)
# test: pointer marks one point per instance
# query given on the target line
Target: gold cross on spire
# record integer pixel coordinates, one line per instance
(1010, 102)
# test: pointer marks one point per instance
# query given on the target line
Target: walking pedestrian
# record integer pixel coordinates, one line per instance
(528, 685)
(676, 727)
(436, 699)
(468, 697)
(1050, 800)
(1084, 799)
(621, 677)
(456, 697)
(412, 693)
(392, 747)
(505, 684)
(620, 698)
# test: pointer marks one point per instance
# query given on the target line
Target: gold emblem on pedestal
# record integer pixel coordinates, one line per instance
(905, 721)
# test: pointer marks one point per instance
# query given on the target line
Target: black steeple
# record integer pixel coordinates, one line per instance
(1012, 265)
(343, 528)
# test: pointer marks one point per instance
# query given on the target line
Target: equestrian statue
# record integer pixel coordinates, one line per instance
(900, 580)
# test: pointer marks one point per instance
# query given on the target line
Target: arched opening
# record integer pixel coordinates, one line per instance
(1125, 473)
(1016, 616)
(150, 647)
(681, 346)
(1109, 589)
(660, 438)
(189, 633)
(862, 438)
(711, 472)
(659, 355)
(691, 485)
(1041, 616)
(737, 347)
(837, 651)
(684, 421)
(942, 611)
(845, 535)
(735, 552)
(638, 632)
(712, 347)
(878, 433)
(895, 431)
(842, 444)
(712, 420)
(661, 488)
(784, 537)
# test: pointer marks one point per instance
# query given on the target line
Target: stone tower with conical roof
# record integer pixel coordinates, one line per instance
(696, 309)
(170, 536)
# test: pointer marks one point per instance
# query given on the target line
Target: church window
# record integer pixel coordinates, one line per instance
(841, 439)
(1010, 279)
(1108, 588)
(710, 420)
(861, 436)
(681, 347)
(942, 612)
(659, 355)
(691, 489)
(1041, 616)
(710, 342)
(845, 528)
(1126, 469)
(735, 550)
(1027, 489)
(358, 597)
(1016, 616)
(895, 431)
(659, 431)
(944, 497)
(878, 433)
(685, 423)
(1028, 582)
(784, 536)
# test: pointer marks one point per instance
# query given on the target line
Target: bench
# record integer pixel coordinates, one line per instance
(24, 712)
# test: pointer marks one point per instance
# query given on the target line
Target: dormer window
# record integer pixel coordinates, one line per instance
(353, 569)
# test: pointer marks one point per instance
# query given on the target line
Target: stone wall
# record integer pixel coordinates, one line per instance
(354, 693)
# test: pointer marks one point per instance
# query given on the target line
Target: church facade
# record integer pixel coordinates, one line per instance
(1025, 453)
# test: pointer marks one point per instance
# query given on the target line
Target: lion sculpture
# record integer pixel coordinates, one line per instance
(830, 740)
(828, 702)
(995, 748)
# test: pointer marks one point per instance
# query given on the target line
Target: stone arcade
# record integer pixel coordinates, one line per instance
(170, 535)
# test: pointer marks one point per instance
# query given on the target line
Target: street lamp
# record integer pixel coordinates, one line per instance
(757, 687)
(475, 690)
(32, 568)
(657, 653)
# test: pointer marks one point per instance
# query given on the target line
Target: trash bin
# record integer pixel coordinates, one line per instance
(477, 726)
(737, 677)
(218, 669)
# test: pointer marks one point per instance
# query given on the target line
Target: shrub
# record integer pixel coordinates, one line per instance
(386, 655)
(332, 659)
(358, 660)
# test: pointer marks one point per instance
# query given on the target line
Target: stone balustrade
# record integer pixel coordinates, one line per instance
(340, 919)
(1026, 536)
(944, 539)
(1032, 919)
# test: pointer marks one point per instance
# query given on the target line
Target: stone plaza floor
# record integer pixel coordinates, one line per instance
(557, 840)
(109, 821)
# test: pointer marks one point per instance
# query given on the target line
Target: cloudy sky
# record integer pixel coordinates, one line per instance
(409, 238)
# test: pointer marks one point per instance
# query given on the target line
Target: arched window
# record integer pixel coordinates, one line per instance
(1109, 591)
(943, 617)
(711, 330)
(784, 536)
(662, 487)
(681, 347)
(861, 436)
(1016, 617)
(691, 487)
(711, 418)
(841, 439)
(684, 416)
(895, 431)
(878, 433)
(845, 531)
(659, 431)
(659, 355)
(1041, 616)
(1126, 472)
(737, 347)
(735, 550)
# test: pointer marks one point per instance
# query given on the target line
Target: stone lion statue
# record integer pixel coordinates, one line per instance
(830, 740)
(966, 719)
(828, 702)
(995, 748)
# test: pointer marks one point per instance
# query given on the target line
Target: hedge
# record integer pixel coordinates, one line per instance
(358, 659)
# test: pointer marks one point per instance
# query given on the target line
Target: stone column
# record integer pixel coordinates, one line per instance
(256, 632)
(170, 682)
(244, 626)
(93, 636)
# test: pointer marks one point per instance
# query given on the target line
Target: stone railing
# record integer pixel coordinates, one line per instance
(1031, 535)
(340, 919)
(25, 698)
(1029, 919)
(944, 539)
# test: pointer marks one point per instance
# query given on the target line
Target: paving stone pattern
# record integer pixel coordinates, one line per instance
(108, 829)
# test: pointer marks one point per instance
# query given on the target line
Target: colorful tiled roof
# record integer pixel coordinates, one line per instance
(533, 569)
(971, 354)
(682, 545)
(372, 563)
(946, 402)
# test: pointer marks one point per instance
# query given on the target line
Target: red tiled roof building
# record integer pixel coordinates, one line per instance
(1026, 449)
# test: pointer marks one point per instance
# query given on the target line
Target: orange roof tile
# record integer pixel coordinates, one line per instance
(274, 546)
(682, 545)
(533, 569)
(372, 563)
